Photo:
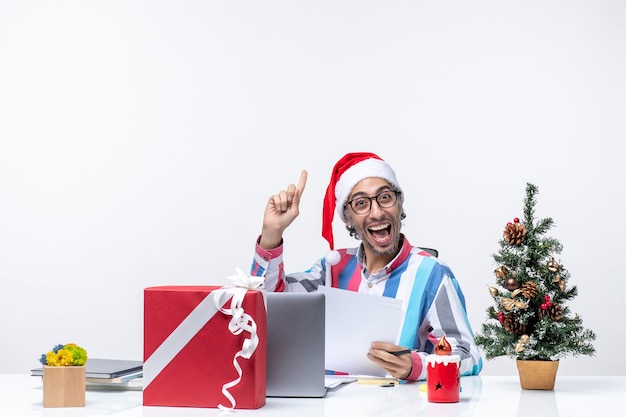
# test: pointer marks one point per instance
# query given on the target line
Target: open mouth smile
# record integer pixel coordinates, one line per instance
(381, 233)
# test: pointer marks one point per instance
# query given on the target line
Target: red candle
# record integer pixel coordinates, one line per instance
(443, 379)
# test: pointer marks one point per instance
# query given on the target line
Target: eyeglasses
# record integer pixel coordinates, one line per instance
(386, 199)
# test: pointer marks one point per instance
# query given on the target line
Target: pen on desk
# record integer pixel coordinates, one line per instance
(401, 352)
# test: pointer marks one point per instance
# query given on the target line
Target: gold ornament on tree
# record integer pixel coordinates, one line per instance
(509, 303)
(492, 290)
(514, 233)
(552, 265)
(501, 272)
(559, 279)
(521, 343)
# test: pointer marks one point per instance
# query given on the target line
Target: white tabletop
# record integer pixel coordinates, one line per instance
(501, 396)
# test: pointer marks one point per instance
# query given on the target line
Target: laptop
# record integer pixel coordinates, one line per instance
(105, 369)
(296, 344)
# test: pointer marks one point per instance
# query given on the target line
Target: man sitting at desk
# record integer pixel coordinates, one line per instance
(368, 198)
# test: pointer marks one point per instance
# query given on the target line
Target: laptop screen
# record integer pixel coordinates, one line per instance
(295, 344)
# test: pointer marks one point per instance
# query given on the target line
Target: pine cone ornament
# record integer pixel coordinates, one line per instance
(514, 234)
(512, 324)
(553, 312)
(529, 289)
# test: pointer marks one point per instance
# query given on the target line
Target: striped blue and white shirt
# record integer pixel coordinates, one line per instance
(432, 300)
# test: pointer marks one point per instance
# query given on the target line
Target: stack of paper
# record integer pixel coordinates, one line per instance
(353, 321)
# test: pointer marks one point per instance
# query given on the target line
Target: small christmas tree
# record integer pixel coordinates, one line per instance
(529, 318)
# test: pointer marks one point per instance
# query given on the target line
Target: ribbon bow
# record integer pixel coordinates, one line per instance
(240, 322)
(509, 303)
(244, 280)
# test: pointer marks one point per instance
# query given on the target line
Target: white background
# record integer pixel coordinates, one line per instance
(140, 140)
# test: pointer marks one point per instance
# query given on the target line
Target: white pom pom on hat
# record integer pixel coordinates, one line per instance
(348, 172)
(332, 258)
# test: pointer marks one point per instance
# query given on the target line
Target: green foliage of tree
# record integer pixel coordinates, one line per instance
(529, 318)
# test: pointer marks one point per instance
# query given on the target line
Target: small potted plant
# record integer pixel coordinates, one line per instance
(529, 319)
(64, 376)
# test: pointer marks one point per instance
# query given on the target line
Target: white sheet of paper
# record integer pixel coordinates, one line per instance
(353, 322)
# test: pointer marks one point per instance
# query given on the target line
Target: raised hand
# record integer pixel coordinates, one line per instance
(280, 212)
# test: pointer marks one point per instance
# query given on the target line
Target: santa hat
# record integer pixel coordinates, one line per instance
(347, 173)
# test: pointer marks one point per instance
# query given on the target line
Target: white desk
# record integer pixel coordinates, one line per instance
(482, 396)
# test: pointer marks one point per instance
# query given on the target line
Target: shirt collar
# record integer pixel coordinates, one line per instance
(405, 251)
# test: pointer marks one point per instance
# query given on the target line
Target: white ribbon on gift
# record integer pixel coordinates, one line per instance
(202, 314)
(239, 323)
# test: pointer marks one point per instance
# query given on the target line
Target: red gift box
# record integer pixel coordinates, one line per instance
(191, 356)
